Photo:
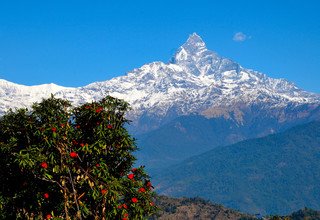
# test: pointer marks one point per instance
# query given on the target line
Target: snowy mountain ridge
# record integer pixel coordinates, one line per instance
(195, 81)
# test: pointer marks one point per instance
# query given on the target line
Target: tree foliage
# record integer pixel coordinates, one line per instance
(64, 162)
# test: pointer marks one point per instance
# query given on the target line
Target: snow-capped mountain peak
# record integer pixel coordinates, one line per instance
(194, 44)
(194, 57)
(196, 81)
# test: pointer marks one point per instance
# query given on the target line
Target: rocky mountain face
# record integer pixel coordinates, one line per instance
(196, 82)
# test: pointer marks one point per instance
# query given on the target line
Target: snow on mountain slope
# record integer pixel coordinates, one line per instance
(17, 96)
(195, 81)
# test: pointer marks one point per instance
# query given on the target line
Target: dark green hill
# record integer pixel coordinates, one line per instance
(276, 174)
(197, 208)
(194, 208)
(305, 214)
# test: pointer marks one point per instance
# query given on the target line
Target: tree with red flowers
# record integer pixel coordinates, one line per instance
(64, 162)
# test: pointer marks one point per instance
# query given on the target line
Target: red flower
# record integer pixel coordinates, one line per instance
(134, 200)
(131, 176)
(134, 170)
(54, 129)
(142, 190)
(77, 126)
(73, 154)
(109, 126)
(82, 144)
(104, 191)
(49, 216)
(44, 165)
(46, 195)
(125, 215)
(87, 107)
(149, 185)
(99, 109)
(122, 206)
(97, 165)
(62, 125)
(152, 203)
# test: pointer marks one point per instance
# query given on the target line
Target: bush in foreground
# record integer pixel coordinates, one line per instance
(71, 163)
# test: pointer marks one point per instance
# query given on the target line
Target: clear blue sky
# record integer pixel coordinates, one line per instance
(74, 43)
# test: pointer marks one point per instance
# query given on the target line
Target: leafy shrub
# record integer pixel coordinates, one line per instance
(64, 162)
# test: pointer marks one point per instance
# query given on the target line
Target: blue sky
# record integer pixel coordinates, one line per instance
(74, 43)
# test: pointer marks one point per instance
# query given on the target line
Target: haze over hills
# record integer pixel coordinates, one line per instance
(276, 174)
(196, 90)
(196, 102)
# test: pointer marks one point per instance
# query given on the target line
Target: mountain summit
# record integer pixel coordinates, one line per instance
(195, 40)
(196, 81)
(193, 56)
(192, 104)
(193, 45)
